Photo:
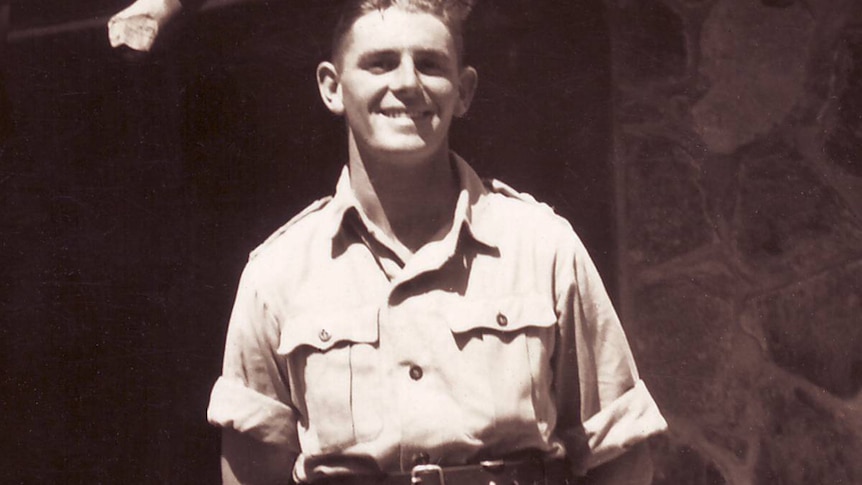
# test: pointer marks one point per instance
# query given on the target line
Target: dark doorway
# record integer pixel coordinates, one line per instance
(134, 187)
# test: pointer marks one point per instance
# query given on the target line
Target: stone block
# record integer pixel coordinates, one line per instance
(755, 58)
(726, 439)
(788, 221)
(720, 183)
(677, 464)
(804, 443)
(814, 328)
(649, 42)
(681, 332)
(665, 208)
(700, 365)
(843, 142)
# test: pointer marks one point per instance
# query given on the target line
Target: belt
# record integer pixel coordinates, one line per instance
(496, 472)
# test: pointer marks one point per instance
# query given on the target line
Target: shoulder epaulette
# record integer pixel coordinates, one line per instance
(313, 207)
(499, 187)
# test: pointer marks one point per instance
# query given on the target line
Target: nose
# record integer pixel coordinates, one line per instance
(405, 77)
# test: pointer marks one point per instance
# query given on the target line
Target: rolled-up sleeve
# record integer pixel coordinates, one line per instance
(251, 396)
(626, 421)
(604, 407)
(234, 405)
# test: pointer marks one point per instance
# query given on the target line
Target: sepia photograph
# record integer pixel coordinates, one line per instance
(439, 242)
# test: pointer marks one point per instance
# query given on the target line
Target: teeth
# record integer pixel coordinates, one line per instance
(405, 114)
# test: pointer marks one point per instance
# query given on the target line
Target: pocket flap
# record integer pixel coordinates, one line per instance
(505, 314)
(324, 329)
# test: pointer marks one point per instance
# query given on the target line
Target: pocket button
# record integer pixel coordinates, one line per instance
(502, 320)
(415, 372)
(324, 335)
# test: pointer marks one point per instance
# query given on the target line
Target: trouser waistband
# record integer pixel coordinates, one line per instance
(497, 472)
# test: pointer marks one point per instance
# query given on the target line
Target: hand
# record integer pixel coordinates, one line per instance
(138, 25)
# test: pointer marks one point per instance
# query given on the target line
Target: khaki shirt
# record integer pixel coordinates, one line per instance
(497, 338)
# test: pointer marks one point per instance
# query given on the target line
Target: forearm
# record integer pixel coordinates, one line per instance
(634, 467)
(245, 460)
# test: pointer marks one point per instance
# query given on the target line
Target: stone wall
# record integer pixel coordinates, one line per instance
(738, 157)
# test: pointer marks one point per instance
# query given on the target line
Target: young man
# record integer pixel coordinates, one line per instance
(422, 325)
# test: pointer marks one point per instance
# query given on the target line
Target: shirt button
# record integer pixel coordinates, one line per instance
(415, 372)
(324, 335)
(502, 320)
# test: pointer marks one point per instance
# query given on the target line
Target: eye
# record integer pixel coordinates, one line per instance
(433, 62)
(380, 64)
(430, 66)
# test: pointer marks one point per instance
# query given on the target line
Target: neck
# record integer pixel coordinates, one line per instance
(411, 199)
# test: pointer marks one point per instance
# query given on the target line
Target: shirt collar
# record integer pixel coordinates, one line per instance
(467, 207)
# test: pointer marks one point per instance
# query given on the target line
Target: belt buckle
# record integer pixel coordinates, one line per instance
(418, 471)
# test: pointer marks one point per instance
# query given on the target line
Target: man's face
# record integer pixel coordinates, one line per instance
(400, 83)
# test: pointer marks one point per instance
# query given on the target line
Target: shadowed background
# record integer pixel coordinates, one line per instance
(134, 187)
(708, 152)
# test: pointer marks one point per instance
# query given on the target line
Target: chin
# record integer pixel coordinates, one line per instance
(407, 147)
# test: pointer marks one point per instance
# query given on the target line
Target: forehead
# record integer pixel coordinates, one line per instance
(396, 29)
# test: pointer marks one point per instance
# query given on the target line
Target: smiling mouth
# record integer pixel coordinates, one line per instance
(413, 114)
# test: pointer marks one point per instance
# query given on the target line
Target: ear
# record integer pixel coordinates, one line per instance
(330, 87)
(469, 80)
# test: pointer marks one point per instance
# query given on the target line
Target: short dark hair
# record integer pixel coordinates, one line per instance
(452, 13)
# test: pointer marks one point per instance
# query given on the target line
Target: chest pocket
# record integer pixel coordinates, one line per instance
(333, 370)
(515, 336)
(505, 315)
